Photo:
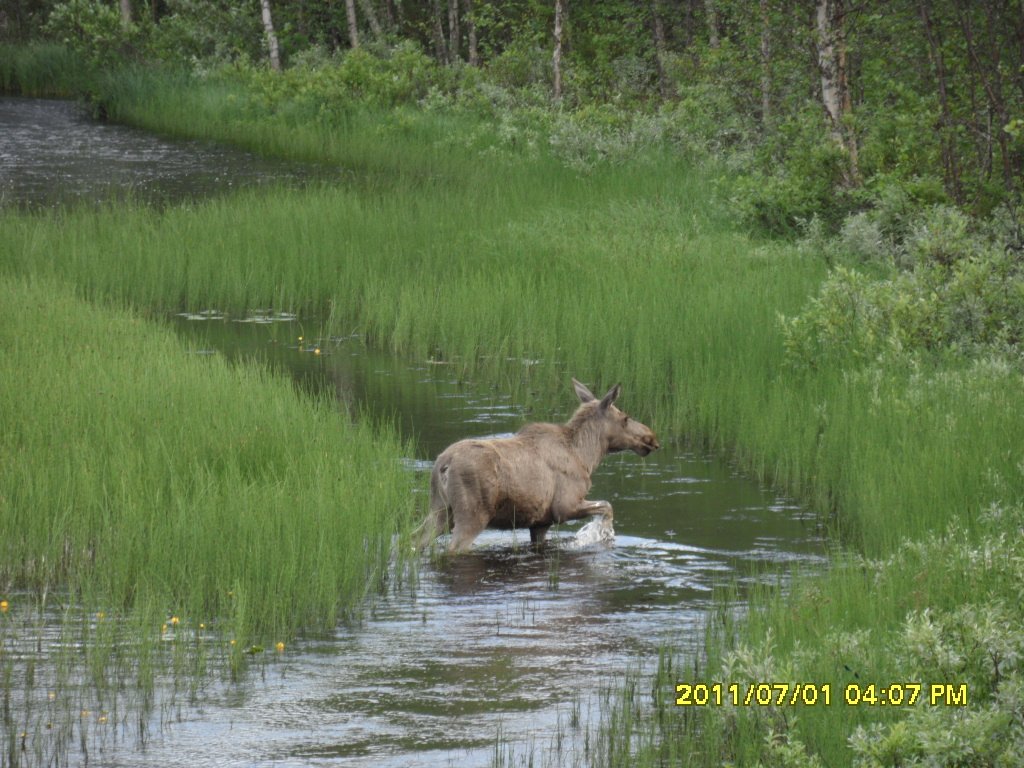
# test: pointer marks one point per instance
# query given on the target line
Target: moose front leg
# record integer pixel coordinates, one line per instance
(587, 509)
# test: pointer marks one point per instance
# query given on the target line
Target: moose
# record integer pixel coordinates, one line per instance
(537, 477)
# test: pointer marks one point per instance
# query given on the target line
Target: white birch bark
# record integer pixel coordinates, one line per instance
(353, 29)
(268, 28)
(556, 57)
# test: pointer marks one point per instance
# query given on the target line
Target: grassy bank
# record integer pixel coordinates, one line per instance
(514, 264)
(139, 473)
(44, 70)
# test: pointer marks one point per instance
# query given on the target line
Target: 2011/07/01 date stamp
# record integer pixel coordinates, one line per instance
(819, 694)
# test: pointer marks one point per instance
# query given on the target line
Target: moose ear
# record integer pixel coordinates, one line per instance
(584, 394)
(611, 397)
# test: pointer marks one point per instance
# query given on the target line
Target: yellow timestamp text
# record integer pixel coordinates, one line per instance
(819, 694)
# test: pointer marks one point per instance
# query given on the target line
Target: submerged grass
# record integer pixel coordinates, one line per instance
(515, 266)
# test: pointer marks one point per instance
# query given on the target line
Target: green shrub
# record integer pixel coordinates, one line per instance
(91, 29)
(961, 292)
(205, 35)
(799, 174)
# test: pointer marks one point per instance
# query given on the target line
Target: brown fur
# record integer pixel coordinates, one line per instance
(537, 477)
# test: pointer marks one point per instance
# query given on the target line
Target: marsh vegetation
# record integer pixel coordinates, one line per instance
(868, 362)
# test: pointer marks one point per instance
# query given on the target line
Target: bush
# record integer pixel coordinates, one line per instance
(801, 176)
(960, 292)
(91, 29)
(206, 34)
(319, 88)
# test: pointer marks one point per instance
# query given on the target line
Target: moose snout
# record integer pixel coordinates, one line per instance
(648, 443)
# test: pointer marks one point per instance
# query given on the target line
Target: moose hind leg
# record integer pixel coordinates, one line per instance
(466, 529)
(537, 534)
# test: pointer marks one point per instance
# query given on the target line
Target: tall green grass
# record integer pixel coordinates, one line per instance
(630, 273)
(136, 472)
(43, 69)
(529, 272)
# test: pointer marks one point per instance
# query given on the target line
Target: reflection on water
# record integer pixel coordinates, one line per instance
(503, 639)
(52, 153)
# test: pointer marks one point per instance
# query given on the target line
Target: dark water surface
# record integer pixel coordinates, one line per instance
(52, 154)
(501, 641)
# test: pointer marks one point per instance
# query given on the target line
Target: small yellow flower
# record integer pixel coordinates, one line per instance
(280, 647)
(163, 629)
(101, 615)
(232, 642)
(316, 351)
(3, 606)
(174, 621)
(202, 625)
(102, 719)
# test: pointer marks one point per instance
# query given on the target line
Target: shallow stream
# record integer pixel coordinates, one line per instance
(503, 641)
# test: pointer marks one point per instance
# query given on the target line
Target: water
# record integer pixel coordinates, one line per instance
(53, 154)
(503, 640)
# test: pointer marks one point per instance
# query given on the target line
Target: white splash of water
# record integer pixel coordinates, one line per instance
(598, 531)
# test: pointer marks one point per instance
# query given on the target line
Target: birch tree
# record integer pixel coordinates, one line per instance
(766, 63)
(353, 28)
(556, 57)
(271, 35)
(660, 51)
(830, 42)
(371, 18)
(711, 14)
(467, 13)
(454, 34)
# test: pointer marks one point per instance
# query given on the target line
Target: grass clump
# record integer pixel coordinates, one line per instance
(43, 69)
(136, 473)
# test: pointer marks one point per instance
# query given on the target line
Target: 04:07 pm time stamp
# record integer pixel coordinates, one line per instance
(820, 694)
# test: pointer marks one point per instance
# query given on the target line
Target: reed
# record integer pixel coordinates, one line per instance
(140, 473)
(43, 70)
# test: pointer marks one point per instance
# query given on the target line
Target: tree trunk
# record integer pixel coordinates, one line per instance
(711, 12)
(946, 129)
(766, 64)
(126, 13)
(371, 17)
(556, 57)
(268, 28)
(660, 51)
(984, 57)
(835, 90)
(353, 28)
(454, 33)
(440, 46)
(469, 16)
